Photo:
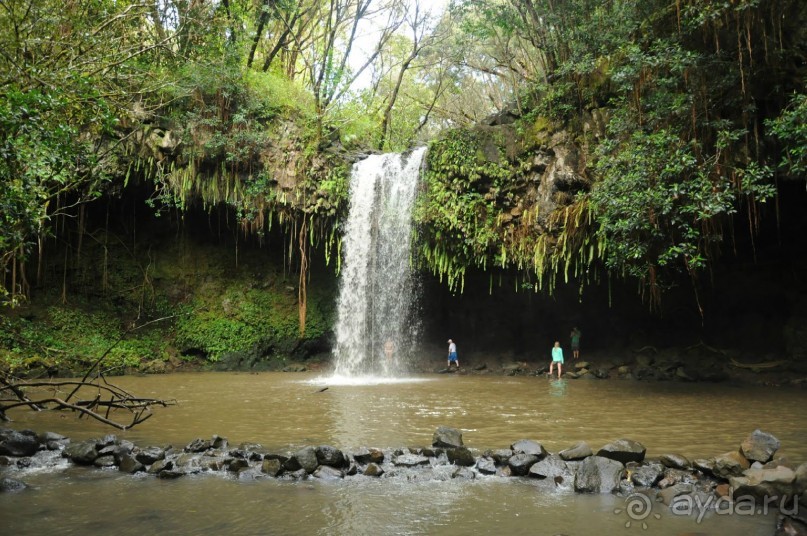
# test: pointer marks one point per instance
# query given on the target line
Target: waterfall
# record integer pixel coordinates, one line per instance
(375, 329)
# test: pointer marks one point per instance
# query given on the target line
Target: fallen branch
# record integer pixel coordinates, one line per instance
(762, 365)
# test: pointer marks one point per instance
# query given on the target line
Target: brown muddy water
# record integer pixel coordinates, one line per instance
(284, 411)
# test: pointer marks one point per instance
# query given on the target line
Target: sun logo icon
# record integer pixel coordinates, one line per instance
(639, 508)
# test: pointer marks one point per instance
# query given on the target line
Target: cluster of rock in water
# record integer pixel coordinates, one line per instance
(751, 472)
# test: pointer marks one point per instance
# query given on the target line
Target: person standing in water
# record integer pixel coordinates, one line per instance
(557, 358)
(575, 336)
(452, 354)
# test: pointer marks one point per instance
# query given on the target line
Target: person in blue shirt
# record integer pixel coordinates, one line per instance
(557, 357)
(452, 354)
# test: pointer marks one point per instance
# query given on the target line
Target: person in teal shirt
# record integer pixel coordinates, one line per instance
(575, 336)
(557, 357)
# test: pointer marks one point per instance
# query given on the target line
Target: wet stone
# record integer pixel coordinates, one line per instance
(271, 467)
(149, 455)
(326, 472)
(104, 461)
(528, 446)
(410, 460)
(520, 463)
(759, 446)
(578, 451)
(486, 465)
(83, 453)
(128, 464)
(373, 469)
(623, 450)
(160, 465)
(11, 485)
(647, 475)
(550, 467)
(730, 464)
(447, 437)
(330, 456)
(500, 455)
(198, 445)
(597, 474)
(460, 456)
(463, 472)
(307, 459)
(365, 455)
(675, 461)
(236, 464)
(14, 443)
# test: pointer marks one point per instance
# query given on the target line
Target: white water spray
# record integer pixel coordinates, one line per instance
(375, 330)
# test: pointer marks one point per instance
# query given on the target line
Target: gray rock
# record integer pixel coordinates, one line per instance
(528, 446)
(730, 464)
(460, 456)
(331, 456)
(762, 483)
(104, 461)
(550, 467)
(11, 485)
(447, 437)
(675, 476)
(410, 460)
(675, 461)
(705, 466)
(578, 451)
(597, 474)
(520, 463)
(218, 442)
(326, 472)
(198, 445)
(499, 455)
(623, 450)
(128, 464)
(373, 469)
(237, 464)
(364, 455)
(465, 473)
(801, 479)
(759, 446)
(160, 465)
(19, 444)
(271, 466)
(486, 465)
(668, 495)
(83, 453)
(149, 455)
(307, 459)
(647, 475)
(790, 526)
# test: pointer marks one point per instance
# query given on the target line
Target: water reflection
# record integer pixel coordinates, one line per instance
(557, 388)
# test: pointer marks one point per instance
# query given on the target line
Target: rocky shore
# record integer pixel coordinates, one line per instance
(749, 477)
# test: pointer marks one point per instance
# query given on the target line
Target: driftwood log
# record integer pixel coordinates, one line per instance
(92, 396)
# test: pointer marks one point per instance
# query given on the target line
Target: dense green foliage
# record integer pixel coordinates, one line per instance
(628, 139)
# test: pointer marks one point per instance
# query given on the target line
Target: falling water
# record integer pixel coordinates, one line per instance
(375, 331)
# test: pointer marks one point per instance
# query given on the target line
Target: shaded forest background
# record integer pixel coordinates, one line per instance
(174, 174)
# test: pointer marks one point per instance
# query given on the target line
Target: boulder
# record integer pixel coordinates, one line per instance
(104, 461)
(373, 469)
(647, 475)
(460, 456)
(237, 464)
(129, 464)
(668, 495)
(790, 526)
(730, 464)
(674, 476)
(463, 472)
(19, 444)
(447, 437)
(198, 445)
(326, 472)
(597, 474)
(520, 463)
(578, 451)
(550, 467)
(364, 455)
(759, 446)
(486, 465)
(410, 460)
(149, 455)
(762, 483)
(331, 456)
(271, 466)
(499, 455)
(306, 458)
(159, 466)
(623, 451)
(801, 479)
(527, 446)
(11, 485)
(83, 453)
(705, 466)
(675, 461)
